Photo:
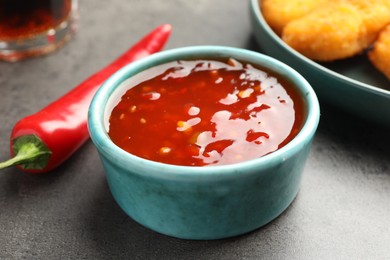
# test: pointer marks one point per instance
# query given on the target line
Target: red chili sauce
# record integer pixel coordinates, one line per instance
(206, 112)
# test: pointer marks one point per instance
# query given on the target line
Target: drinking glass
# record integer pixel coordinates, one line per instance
(35, 27)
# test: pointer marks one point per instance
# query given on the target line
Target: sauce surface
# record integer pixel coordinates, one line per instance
(206, 112)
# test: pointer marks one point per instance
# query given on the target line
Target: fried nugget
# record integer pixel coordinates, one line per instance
(379, 55)
(331, 32)
(278, 13)
(375, 14)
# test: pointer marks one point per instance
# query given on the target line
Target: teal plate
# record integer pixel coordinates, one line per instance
(352, 85)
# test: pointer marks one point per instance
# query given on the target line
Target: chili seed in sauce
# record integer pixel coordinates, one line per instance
(206, 112)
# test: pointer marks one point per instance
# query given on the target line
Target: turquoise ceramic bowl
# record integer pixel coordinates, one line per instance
(202, 202)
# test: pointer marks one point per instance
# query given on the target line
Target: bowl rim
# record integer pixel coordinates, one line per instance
(105, 146)
(255, 8)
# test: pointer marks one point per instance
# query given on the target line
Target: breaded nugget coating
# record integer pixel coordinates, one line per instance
(379, 55)
(328, 33)
(375, 14)
(278, 13)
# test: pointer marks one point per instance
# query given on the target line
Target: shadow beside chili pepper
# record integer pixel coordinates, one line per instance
(17, 185)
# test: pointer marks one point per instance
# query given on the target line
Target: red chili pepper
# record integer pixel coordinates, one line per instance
(42, 141)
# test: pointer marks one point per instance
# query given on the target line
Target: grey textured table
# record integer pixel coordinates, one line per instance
(341, 212)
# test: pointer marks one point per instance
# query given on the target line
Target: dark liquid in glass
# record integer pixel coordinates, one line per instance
(24, 18)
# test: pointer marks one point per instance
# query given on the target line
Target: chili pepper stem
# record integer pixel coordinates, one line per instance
(30, 153)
